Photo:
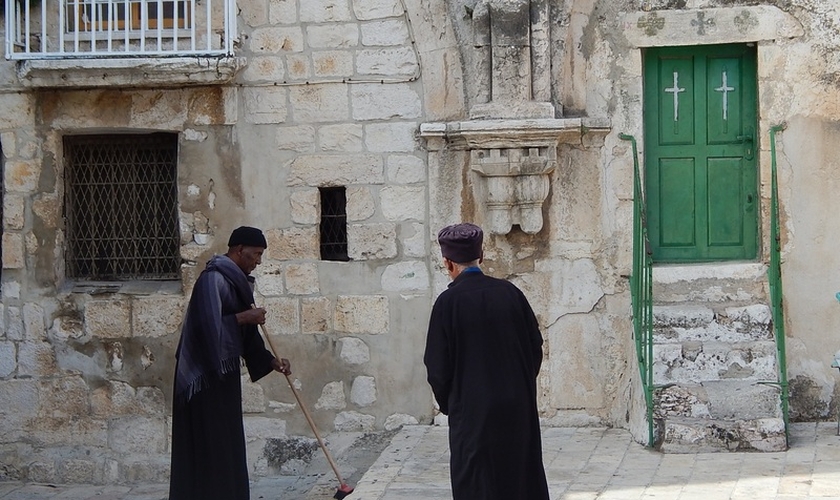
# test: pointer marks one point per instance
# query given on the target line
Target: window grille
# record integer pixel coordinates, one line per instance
(121, 207)
(334, 224)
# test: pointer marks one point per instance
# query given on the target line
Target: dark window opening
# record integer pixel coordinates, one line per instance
(121, 207)
(334, 224)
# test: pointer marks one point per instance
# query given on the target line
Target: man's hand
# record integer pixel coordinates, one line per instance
(255, 316)
(282, 365)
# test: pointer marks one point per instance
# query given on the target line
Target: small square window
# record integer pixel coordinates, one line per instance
(121, 207)
(334, 224)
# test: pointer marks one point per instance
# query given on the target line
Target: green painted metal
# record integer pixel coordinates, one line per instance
(701, 178)
(774, 275)
(641, 288)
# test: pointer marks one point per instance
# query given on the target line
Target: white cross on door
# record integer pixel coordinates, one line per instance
(676, 90)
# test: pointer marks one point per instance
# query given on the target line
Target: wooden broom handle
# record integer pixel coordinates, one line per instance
(305, 411)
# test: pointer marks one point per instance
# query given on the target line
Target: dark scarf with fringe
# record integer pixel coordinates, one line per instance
(210, 346)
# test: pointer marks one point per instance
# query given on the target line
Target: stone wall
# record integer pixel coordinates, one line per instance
(333, 94)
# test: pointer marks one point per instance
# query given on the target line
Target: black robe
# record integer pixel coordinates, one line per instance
(483, 354)
(208, 441)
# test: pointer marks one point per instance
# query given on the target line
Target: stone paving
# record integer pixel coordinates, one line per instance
(581, 464)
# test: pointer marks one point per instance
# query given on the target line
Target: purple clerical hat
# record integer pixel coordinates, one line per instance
(461, 243)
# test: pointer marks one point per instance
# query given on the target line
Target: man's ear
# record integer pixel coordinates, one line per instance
(448, 264)
(481, 258)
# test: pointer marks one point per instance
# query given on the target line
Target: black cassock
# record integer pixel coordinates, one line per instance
(483, 354)
(208, 440)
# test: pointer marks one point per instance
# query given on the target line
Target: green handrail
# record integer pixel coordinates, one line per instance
(641, 289)
(774, 275)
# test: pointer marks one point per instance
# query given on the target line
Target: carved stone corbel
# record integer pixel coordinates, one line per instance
(517, 184)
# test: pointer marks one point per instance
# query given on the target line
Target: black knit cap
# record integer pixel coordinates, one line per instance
(461, 243)
(248, 236)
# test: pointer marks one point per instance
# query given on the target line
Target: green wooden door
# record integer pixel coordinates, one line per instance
(700, 158)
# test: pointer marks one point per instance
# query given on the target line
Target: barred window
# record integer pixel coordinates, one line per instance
(334, 224)
(121, 207)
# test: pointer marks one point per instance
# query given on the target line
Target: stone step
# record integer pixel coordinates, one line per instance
(719, 399)
(737, 283)
(695, 362)
(692, 322)
(692, 435)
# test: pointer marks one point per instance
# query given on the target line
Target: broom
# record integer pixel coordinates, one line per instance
(344, 489)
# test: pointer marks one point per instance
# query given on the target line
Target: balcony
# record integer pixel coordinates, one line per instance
(95, 43)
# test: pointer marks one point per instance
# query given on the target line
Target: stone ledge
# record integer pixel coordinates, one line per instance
(141, 72)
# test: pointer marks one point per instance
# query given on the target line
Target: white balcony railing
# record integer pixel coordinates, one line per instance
(65, 29)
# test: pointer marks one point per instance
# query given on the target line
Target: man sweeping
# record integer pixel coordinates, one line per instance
(483, 354)
(220, 327)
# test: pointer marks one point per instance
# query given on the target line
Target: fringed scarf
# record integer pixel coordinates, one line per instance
(210, 346)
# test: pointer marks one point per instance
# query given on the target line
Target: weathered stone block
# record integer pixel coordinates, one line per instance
(405, 169)
(305, 206)
(108, 318)
(387, 32)
(360, 204)
(315, 315)
(343, 137)
(332, 63)
(332, 397)
(118, 398)
(13, 251)
(276, 40)
(398, 420)
(282, 11)
(348, 421)
(319, 103)
(401, 203)
(41, 472)
(575, 380)
(375, 9)
(363, 392)
(354, 351)
(320, 11)
(405, 277)
(371, 241)
(397, 61)
(36, 359)
(157, 316)
(282, 317)
(413, 240)
(302, 279)
(336, 170)
(47, 208)
(293, 243)
(19, 400)
(299, 66)
(13, 209)
(34, 322)
(265, 104)
(362, 314)
(269, 279)
(265, 68)
(74, 471)
(263, 428)
(21, 176)
(300, 138)
(137, 434)
(333, 36)
(8, 358)
(67, 327)
(253, 397)
(14, 324)
(390, 137)
(253, 13)
(384, 102)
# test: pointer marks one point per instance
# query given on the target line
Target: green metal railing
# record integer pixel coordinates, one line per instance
(641, 289)
(774, 276)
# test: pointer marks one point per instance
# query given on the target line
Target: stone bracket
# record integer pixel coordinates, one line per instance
(514, 160)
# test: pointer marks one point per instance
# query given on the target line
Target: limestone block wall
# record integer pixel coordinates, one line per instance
(331, 95)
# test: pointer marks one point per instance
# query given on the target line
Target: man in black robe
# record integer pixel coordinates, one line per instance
(483, 354)
(220, 327)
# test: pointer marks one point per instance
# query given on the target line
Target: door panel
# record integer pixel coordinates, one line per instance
(701, 178)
